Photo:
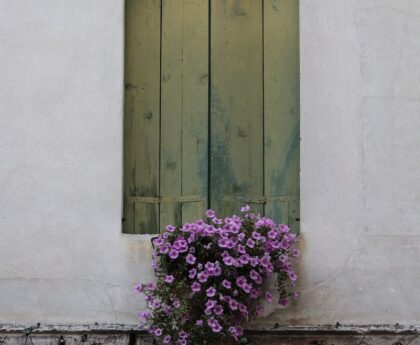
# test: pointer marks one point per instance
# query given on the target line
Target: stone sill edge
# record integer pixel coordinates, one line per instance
(275, 329)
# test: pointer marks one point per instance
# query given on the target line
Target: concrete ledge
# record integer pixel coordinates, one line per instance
(119, 334)
(271, 329)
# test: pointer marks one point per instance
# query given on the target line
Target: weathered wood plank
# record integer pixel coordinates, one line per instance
(236, 103)
(281, 108)
(171, 110)
(184, 102)
(141, 120)
(195, 106)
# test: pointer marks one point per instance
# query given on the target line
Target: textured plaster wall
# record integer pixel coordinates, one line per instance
(360, 162)
(63, 257)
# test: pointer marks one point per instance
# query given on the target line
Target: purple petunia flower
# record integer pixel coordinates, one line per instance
(229, 261)
(254, 261)
(254, 293)
(284, 228)
(265, 261)
(241, 237)
(241, 281)
(256, 235)
(165, 248)
(156, 303)
(169, 279)
(210, 213)
(226, 284)
(158, 332)
(241, 249)
(190, 259)
(292, 276)
(170, 228)
(195, 287)
(216, 327)
(218, 309)
(254, 275)
(176, 303)
(166, 339)
(186, 227)
(210, 292)
(199, 322)
(191, 273)
(250, 243)
(173, 254)
(158, 242)
(243, 309)
(268, 296)
(183, 335)
(223, 242)
(245, 208)
(210, 268)
(233, 304)
(144, 314)
(151, 286)
(202, 277)
(244, 259)
(247, 288)
(181, 245)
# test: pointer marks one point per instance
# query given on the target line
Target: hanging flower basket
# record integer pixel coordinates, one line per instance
(213, 275)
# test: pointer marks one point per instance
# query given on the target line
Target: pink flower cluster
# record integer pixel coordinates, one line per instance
(215, 273)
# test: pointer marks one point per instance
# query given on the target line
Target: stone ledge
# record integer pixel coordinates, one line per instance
(271, 329)
(118, 334)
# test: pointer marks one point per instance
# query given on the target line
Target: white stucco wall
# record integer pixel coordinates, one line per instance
(63, 257)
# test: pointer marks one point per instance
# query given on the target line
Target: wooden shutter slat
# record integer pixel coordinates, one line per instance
(171, 105)
(195, 106)
(184, 108)
(281, 109)
(236, 103)
(142, 114)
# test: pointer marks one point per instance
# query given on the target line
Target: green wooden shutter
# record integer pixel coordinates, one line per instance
(166, 116)
(211, 110)
(255, 107)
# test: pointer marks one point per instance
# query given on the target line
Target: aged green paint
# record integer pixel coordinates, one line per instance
(184, 92)
(195, 107)
(281, 110)
(184, 102)
(253, 110)
(142, 114)
(237, 104)
(171, 107)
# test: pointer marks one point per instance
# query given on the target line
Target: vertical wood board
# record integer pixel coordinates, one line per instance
(195, 107)
(281, 108)
(172, 110)
(142, 113)
(236, 104)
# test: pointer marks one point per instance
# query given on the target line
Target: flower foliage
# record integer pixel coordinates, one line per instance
(216, 276)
